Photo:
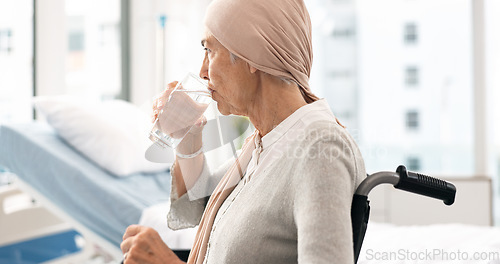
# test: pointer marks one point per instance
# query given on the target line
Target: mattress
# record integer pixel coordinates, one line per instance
(437, 243)
(100, 201)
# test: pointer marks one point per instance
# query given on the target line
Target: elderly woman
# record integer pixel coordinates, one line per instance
(287, 197)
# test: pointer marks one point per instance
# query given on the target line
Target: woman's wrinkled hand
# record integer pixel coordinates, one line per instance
(144, 245)
(161, 99)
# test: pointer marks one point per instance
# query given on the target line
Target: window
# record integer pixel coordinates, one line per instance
(411, 76)
(93, 56)
(412, 120)
(340, 74)
(5, 40)
(80, 54)
(343, 33)
(109, 34)
(410, 33)
(383, 56)
(76, 34)
(413, 163)
(16, 60)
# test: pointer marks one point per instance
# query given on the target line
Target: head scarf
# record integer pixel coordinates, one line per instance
(274, 36)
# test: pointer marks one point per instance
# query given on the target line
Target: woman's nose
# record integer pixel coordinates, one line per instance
(204, 68)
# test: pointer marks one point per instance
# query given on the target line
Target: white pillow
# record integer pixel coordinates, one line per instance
(113, 134)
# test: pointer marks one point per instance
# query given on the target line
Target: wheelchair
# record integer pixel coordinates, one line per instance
(401, 179)
(360, 209)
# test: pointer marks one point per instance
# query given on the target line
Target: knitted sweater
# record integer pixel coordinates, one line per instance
(296, 207)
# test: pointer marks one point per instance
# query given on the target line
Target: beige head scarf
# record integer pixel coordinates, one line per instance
(273, 36)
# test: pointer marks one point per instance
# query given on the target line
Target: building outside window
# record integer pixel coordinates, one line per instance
(410, 33)
(76, 34)
(412, 120)
(412, 76)
(343, 33)
(413, 163)
(5, 40)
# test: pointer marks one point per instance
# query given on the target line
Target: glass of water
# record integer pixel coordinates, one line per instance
(184, 107)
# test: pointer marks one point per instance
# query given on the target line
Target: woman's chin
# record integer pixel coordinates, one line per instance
(224, 112)
(222, 109)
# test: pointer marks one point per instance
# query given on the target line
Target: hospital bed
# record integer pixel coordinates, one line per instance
(98, 205)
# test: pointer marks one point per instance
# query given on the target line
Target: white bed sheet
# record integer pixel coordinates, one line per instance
(440, 243)
(156, 217)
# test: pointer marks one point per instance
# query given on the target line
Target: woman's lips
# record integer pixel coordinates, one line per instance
(211, 92)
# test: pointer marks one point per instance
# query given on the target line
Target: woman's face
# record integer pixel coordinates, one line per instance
(233, 84)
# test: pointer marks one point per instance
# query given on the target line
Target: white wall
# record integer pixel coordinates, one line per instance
(473, 205)
(51, 47)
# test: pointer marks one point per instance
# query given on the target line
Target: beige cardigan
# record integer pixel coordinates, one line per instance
(296, 210)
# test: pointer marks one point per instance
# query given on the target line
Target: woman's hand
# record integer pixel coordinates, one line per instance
(192, 140)
(144, 245)
(161, 99)
(187, 169)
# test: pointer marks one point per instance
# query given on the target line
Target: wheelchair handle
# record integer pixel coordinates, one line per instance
(411, 182)
(426, 185)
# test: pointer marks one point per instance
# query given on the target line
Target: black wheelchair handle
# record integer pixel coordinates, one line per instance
(410, 182)
(401, 179)
(425, 185)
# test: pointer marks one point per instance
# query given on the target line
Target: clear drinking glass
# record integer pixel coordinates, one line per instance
(185, 105)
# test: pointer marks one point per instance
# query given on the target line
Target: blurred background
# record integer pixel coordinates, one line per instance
(414, 81)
